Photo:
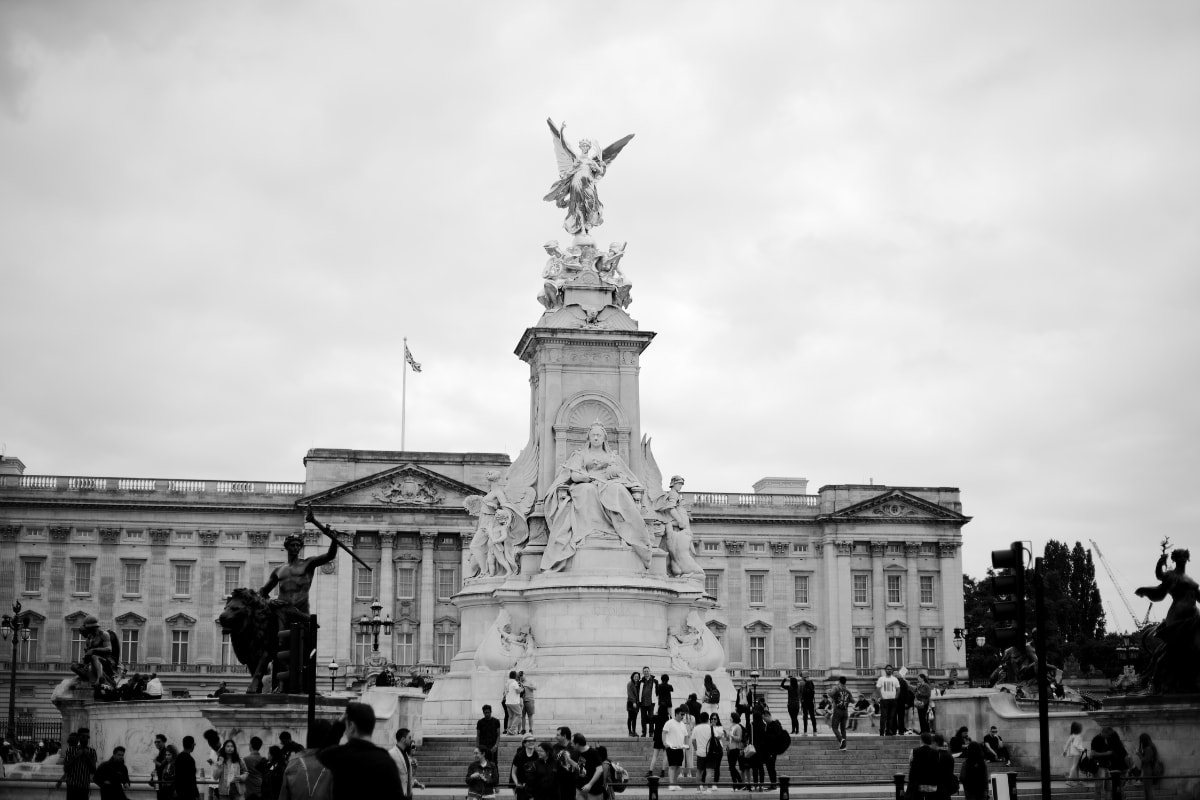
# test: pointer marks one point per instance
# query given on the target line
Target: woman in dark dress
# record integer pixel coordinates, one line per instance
(974, 773)
(793, 702)
(541, 774)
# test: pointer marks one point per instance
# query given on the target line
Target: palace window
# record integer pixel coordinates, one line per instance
(895, 548)
(712, 546)
(862, 652)
(27, 649)
(799, 547)
(180, 640)
(183, 586)
(443, 649)
(895, 590)
(758, 588)
(758, 652)
(227, 655)
(803, 652)
(712, 584)
(363, 645)
(33, 575)
(800, 590)
(447, 583)
(406, 583)
(861, 588)
(896, 651)
(233, 577)
(132, 575)
(364, 583)
(929, 652)
(130, 639)
(402, 644)
(77, 641)
(927, 590)
(83, 577)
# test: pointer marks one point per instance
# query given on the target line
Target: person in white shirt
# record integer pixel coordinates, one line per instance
(889, 687)
(675, 739)
(512, 703)
(154, 687)
(708, 728)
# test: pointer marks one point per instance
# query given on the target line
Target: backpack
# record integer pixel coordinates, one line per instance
(714, 745)
(616, 776)
(712, 696)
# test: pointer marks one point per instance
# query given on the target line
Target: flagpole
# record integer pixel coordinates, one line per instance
(403, 390)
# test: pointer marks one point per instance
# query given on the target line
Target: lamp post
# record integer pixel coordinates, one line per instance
(333, 670)
(374, 623)
(18, 626)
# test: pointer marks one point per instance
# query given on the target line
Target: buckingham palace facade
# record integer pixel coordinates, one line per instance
(840, 581)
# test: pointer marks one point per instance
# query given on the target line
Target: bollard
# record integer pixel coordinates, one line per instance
(899, 779)
(1004, 786)
(652, 788)
(784, 783)
(1118, 788)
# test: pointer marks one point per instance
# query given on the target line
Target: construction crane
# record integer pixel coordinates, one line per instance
(1138, 625)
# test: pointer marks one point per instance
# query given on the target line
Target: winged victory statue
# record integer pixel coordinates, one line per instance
(578, 171)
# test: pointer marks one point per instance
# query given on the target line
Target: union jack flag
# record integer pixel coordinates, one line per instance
(412, 362)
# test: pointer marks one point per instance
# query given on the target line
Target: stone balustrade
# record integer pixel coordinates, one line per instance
(726, 499)
(65, 483)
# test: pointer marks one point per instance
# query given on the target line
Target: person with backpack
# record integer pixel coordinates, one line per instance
(707, 741)
(712, 696)
(841, 698)
(774, 743)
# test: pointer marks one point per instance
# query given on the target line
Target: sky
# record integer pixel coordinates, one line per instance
(914, 244)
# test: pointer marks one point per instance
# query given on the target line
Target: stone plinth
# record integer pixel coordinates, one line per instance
(591, 626)
(1173, 722)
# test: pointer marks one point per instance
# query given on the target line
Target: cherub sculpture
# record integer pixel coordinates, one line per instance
(578, 171)
(607, 266)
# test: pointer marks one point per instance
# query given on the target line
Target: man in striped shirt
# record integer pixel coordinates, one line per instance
(79, 764)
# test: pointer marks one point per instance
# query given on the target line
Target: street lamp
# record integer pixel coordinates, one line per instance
(333, 670)
(18, 626)
(373, 624)
(959, 636)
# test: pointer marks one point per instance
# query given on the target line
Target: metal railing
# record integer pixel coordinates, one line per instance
(32, 728)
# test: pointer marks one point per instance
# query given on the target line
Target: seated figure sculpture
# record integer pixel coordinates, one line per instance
(100, 657)
(592, 493)
(501, 533)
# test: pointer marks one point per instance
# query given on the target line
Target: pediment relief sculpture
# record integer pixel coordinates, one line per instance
(408, 490)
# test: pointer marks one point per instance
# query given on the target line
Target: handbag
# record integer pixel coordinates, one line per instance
(749, 751)
(1087, 763)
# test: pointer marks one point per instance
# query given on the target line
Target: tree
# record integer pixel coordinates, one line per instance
(1074, 620)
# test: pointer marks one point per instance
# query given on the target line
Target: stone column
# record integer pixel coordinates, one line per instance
(387, 586)
(841, 631)
(912, 586)
(428, 595)
(735, 651)
(950, 561)
(879, 604)
(343, 622)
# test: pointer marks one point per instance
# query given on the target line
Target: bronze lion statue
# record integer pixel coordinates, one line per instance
(252, 627)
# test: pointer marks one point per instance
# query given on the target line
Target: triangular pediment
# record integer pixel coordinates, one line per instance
(758, 624)
(130, 618)
(75, 617)
(803, 626)
(408, 486)
(895, 506)
(180, 620)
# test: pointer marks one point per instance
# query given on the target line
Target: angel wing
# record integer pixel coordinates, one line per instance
(615, 148)
(652, 479)
(562, 151)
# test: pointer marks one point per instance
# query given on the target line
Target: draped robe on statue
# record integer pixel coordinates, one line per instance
(601, 505)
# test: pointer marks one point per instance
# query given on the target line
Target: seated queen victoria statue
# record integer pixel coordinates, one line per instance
(593, 494)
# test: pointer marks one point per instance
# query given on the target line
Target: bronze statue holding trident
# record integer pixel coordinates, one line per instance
(1173, 665)
(253, 621)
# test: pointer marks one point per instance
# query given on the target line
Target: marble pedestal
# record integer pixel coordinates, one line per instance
(591, 626)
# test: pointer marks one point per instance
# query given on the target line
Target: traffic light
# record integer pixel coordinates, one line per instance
(289, 658)
(1012, 587)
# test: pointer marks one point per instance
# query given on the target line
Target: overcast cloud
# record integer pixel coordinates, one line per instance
(915, 243)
